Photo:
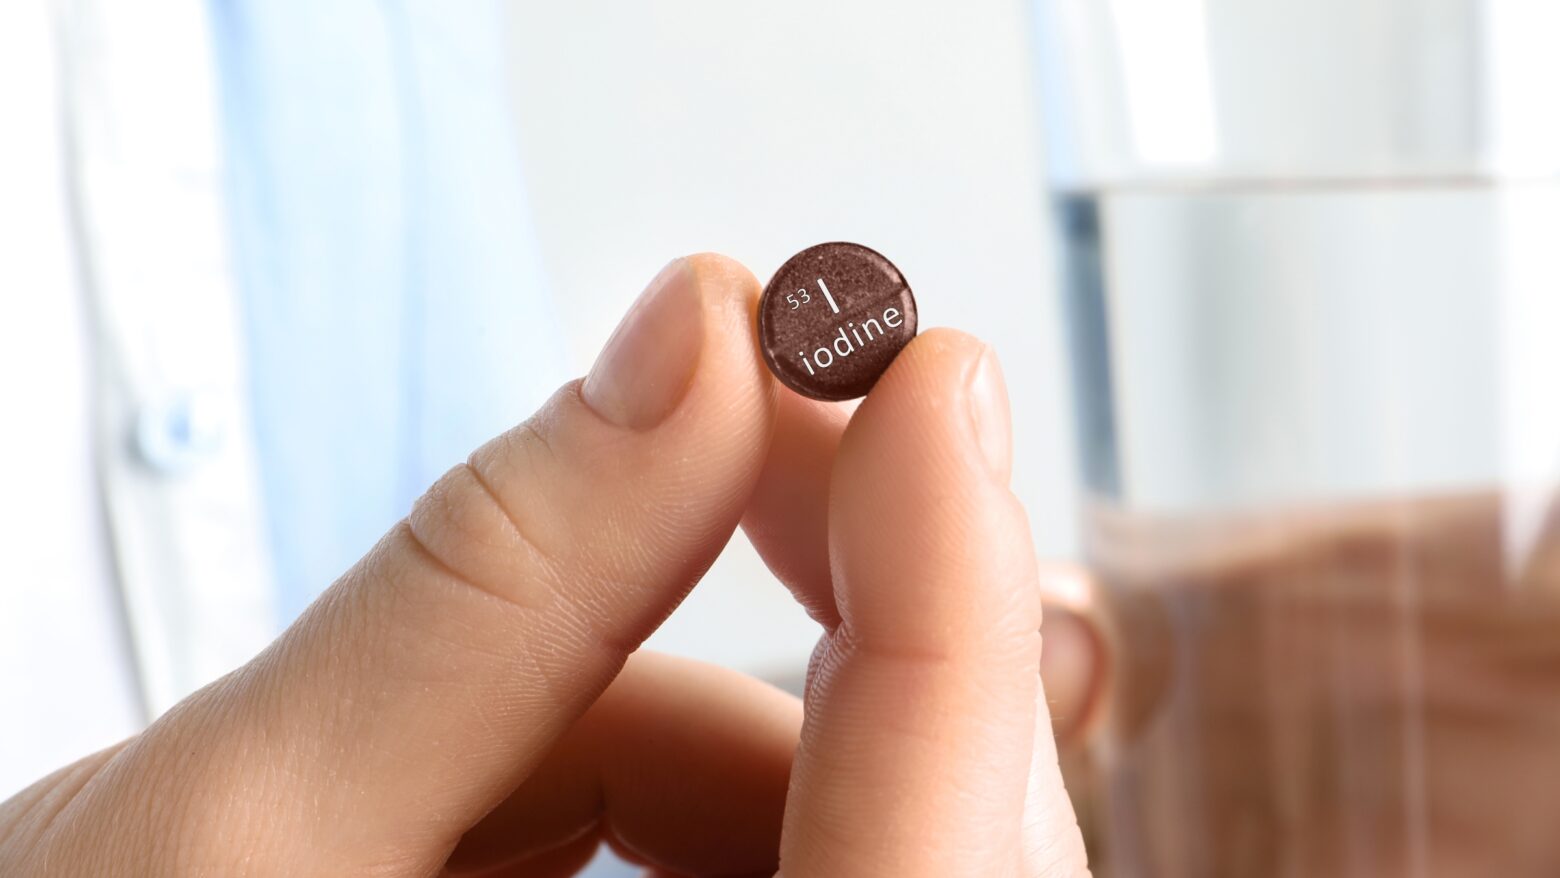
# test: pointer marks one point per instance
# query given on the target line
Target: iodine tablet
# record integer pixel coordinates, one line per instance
(832, 319)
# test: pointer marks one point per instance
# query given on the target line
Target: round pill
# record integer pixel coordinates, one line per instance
(832, 319)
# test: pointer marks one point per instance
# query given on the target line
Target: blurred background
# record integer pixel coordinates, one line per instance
(268, 269)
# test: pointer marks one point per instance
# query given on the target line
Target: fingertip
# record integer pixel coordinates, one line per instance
(730, 293)
(940, 352)
(927, 543)
(990, 419)
(925, 395)
(730, 285)
(722, 269)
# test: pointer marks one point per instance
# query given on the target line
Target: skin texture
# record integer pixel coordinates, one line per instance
(469, 698)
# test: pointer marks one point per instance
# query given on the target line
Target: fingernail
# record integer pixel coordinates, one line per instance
(1069, 663)
(989, 418)
(642, 373)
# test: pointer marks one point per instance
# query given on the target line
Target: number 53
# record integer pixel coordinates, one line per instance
(792, 299)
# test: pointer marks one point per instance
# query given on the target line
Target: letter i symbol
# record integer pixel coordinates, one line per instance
(825, 287)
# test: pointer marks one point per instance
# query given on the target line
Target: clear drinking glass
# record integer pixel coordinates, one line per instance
(1311, 262)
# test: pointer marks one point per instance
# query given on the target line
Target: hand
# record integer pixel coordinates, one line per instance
(468, 698)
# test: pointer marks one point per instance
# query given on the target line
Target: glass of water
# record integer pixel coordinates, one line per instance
(1310, 253)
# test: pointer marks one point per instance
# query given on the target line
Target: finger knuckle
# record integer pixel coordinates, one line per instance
(464, 526)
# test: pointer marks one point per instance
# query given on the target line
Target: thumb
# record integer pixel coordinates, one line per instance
(924, 712)
(423, 686)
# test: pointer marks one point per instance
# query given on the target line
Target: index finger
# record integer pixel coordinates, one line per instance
(418, 691)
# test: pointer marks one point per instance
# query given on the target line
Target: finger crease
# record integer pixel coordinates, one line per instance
(502, 595)
(533, 546)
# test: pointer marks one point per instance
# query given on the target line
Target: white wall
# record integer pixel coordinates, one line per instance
(756, 129)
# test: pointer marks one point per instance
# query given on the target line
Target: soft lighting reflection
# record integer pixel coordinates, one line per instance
(1523, 71)
(1166, 78)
